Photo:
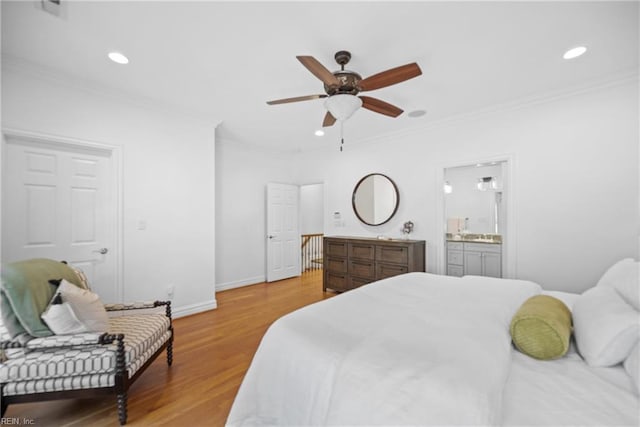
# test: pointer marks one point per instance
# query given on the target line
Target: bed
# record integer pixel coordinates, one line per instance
(424, 349)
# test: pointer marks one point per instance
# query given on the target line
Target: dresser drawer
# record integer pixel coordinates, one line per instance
(456, 246)
(389, 270)
(362, 251)
(455, 257)
(337, 282)
(336, 265)
(356, 282)
(363, 269)
(395, 254)
(483, 247)
(353, 262)
(332, 247)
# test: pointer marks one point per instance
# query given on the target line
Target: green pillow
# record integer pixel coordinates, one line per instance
(541, 328)
(25, 293)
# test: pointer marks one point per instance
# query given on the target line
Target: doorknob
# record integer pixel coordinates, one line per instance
(102, 251)
(270, 236)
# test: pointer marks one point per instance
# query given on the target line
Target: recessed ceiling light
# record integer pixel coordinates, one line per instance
(417, 113)
(575, 52)
(118, 58)
(319, 132)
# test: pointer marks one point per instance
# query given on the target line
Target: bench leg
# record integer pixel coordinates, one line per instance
(122, 408)
(3, 404)
(170, 352)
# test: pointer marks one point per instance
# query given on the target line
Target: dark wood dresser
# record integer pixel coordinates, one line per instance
(350, 262)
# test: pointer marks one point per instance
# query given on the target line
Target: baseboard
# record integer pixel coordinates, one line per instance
(239, 283)
(187, 310)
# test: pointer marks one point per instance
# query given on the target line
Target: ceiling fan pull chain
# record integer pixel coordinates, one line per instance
(341, 135)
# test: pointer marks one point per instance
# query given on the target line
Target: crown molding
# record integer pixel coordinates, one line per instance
(17, 65)
(628, 77)
(240, 144)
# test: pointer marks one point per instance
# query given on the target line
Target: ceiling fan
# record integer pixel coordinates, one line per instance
(342, 86)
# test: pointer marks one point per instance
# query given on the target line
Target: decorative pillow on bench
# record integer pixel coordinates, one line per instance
(26, 293)
(73, 310)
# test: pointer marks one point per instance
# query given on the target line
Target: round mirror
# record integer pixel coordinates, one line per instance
(375, 199)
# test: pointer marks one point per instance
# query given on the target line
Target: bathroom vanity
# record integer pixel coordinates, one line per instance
(478, 255)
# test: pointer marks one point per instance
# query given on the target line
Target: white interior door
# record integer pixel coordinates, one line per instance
(283, 231)
(58, 203)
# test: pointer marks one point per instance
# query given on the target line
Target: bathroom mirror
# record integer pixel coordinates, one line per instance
(375, 199)
(473, 199)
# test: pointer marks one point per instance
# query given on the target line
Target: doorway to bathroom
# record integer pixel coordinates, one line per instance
(477, 220)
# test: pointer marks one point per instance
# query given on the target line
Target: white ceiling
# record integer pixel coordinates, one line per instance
(222, 60)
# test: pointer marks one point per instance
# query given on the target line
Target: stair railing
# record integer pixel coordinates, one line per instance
(311, 248)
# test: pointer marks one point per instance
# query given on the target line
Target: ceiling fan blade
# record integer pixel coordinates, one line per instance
(379, 106)
(319, 70)
(390, 77)
(329, 120)
(296, 99)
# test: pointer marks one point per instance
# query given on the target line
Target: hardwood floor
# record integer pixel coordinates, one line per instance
(212, 352)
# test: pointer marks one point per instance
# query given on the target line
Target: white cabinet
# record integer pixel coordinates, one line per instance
(455, 259)
(492, 264)
(478, 259)
(473, 263)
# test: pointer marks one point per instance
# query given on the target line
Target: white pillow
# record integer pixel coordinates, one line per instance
(82, 278)
(86, 306)
(61, 319)
(631, 366)
(624, 276)
(605, 326)
(566, 297)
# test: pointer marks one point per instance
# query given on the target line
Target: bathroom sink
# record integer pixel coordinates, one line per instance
(472, 239)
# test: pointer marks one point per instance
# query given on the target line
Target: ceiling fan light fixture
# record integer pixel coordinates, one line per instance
(319, 132)
(118, 58)
(342, 106)
(574, 52)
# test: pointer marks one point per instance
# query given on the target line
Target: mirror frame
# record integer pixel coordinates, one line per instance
(353, 198)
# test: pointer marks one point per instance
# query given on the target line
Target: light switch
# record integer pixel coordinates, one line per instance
(337, 220)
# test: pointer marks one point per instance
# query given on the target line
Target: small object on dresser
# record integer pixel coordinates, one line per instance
(407, 228)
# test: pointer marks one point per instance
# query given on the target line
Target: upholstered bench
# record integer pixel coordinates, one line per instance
(86, 364)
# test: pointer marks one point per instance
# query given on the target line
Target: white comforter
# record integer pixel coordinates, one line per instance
(415, 349)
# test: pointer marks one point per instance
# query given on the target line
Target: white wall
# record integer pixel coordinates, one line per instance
(242, 174)
(168, 180)
(575, 181)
